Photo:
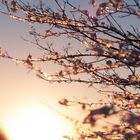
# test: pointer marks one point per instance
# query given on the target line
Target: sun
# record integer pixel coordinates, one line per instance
(37, 122)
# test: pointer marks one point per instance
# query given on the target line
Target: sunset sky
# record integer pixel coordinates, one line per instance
(18, 88)
(23, 95)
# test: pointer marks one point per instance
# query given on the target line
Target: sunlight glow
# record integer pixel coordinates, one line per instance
(37, 123)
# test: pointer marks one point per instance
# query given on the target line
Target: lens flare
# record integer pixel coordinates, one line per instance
(37, 122)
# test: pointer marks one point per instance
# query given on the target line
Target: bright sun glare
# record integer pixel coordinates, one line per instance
(37, 122)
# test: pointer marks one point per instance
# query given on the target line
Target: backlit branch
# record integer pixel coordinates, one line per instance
(100, 51)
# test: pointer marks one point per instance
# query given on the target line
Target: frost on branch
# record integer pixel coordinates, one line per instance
(103, 51)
